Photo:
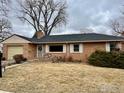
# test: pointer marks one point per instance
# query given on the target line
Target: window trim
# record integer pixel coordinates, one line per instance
(72, 48)
(48, 48)
(107, 47)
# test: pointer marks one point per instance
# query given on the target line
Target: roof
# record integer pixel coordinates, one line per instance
(26, 38)
(87, 37)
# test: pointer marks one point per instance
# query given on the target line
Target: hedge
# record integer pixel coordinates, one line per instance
(107, 59)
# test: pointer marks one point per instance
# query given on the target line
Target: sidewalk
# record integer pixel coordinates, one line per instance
(4, 91)
(15, 65)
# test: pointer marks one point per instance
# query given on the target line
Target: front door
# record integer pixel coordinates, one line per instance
(40, 51)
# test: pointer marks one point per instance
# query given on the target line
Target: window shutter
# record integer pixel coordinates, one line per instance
(64, 48)
(47, 49)
(108, 47)
(71, 48)
(81, 48)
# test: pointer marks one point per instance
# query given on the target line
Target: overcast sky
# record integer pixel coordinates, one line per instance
(82, 15)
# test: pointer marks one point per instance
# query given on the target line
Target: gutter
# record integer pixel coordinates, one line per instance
(90, 41)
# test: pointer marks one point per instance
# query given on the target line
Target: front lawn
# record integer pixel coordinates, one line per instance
(62, 78)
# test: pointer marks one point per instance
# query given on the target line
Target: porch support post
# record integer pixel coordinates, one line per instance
(37, 51)
(0, 65)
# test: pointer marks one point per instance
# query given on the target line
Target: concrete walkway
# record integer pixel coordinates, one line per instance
(4, 91)
(15, 65)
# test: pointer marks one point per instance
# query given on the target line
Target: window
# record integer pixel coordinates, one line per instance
(76, 48)
(113, 46)
(56, 48)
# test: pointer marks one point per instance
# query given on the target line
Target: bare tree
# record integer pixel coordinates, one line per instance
(117, 25)
(5, 29)
(43, 15)
(4, 9)
(86, 30)
(5, 25)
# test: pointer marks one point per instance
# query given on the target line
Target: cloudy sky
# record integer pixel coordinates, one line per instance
(83, 15)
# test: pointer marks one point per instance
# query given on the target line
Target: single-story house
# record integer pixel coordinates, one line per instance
(78, 46)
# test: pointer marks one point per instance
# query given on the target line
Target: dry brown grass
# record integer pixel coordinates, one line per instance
(62, 78)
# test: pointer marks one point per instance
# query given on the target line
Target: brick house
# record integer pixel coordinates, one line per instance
(78, 46)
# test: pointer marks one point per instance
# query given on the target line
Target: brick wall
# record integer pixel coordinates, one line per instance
(88, 49)
(29, 50)
(122, 46)
(5, 49)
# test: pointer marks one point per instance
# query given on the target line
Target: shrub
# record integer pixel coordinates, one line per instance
(24, 59)
(107, 59)
(70, 59)
(19, 58)
(62, 59)
(3, 58)
(77, 60)
(120, 60)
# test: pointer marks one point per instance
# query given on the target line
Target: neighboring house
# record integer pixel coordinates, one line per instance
(78, 46)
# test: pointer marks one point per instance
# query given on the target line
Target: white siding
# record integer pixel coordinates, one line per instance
(15, 39)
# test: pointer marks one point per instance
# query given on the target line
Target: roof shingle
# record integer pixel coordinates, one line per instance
(88, 37)
(77, 38)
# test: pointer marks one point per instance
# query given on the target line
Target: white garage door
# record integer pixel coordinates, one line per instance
(13, 50)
